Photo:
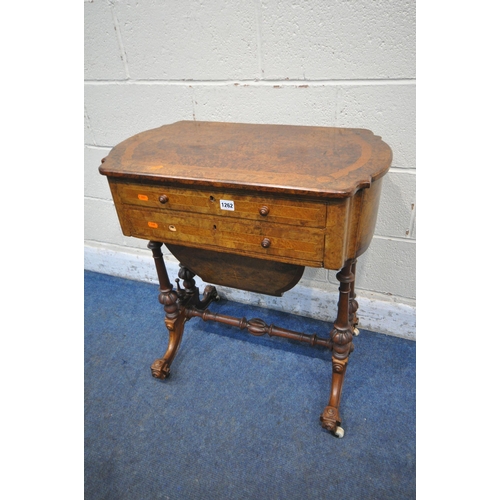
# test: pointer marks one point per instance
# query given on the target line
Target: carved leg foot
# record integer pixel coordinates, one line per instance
(160, 369)
(341, 336)
(209, 295)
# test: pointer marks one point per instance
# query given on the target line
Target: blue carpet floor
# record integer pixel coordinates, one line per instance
(239, 416)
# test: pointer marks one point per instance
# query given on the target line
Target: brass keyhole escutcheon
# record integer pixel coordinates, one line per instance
(266, 243)
(172, 228)
(264, 210)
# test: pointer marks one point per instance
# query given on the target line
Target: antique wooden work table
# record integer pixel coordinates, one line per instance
(248, 206)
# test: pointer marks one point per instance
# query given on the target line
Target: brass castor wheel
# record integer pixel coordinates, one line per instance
(355, 332)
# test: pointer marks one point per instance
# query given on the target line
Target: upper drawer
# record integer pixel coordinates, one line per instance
(223, 204)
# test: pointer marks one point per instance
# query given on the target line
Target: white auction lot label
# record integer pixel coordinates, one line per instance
(227, 205)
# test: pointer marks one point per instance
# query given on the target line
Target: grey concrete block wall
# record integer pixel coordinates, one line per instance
(316, 62)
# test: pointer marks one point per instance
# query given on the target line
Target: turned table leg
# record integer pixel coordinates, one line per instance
(176, 304)
(341, 336)
(353, 303)
(174, 317)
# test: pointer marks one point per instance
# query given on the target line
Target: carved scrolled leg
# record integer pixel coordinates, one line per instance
(341, 336)
(330, 418)
(161, 367)
(174, 316)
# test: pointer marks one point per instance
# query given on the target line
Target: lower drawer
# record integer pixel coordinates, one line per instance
(281, 242)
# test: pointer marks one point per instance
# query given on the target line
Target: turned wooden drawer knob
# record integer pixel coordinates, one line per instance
(266, 243)
(264, 210)
(163, 199)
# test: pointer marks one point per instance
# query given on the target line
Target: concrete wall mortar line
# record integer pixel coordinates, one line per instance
(411, 227)
(394, 238)
(401, 170)
(89, 126)
(123, 54)
(87, 197)
(258, 13)
(254, 82)
(338, 106)
(95, 146)
(193, 101)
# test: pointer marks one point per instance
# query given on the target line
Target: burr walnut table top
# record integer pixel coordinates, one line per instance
(322, 162)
